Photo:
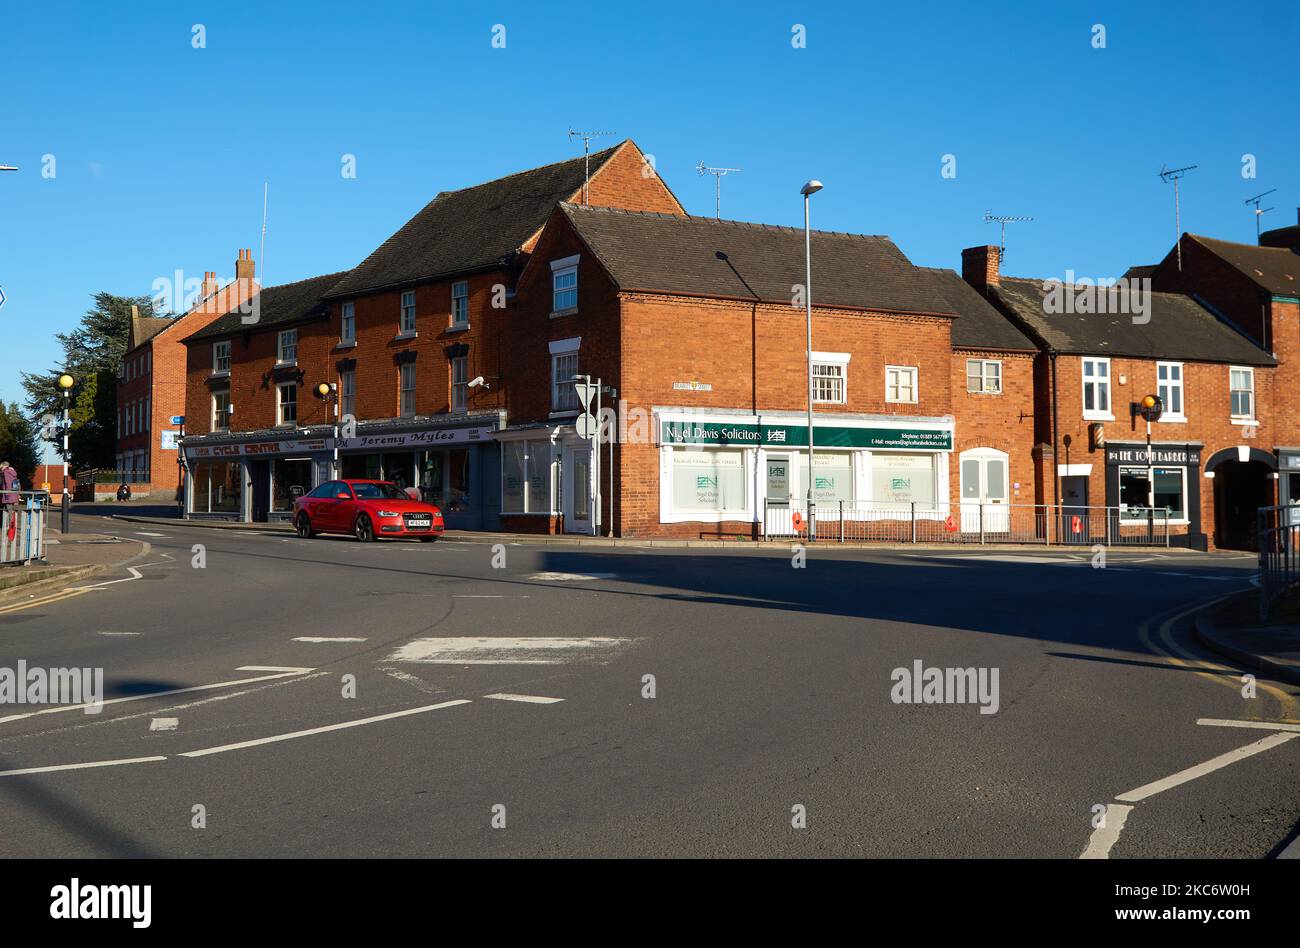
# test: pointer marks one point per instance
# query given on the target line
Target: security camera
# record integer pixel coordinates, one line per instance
(477, 381)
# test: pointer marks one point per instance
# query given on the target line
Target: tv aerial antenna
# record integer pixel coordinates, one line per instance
(1174, 175)
(1004, 220)
(1258, 212)
(718, 175)
(586, 154)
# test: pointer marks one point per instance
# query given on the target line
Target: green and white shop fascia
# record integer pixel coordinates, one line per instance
(717, 465)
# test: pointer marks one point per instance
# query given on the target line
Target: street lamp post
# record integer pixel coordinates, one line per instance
(809, 189)
(65, 383)
(328, 392)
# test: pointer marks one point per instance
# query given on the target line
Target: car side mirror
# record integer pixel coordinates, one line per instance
(342, 495)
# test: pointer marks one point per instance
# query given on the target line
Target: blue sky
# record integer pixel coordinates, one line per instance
(162, 149)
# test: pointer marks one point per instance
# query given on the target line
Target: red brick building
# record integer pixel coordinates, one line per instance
(1255, 289)
(152, 386)
(696, 327)
(414, 341)
(1101, 352)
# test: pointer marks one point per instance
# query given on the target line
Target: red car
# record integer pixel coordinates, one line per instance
(366, 509)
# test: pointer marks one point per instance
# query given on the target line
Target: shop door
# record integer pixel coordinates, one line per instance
(780, 514)
(984, 491)
(577, 489)
(259, 473)
(1240, 489)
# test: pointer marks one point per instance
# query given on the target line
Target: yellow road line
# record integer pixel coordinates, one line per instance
(45, 600)
(1221, 674)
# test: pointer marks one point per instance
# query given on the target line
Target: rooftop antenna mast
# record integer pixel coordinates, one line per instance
(261, 253)
(1004, 220)
(718, 174)
(586, 155)
(1174, 174)
(1259, 213)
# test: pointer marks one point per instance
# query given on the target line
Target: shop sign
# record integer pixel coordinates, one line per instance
(1181, 455)
(258, 448)
(737, 434)
(415, 439)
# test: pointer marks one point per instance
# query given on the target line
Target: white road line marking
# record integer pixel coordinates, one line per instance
(1104, 837)
(505, 650)
(322, 730)
(164, 724)
(552, 577)
(320, 639)
(160, 694)
(135, 574)
(531, 699)
(88, 766)
(1209, 766)
(1262, 725)
(462, 596)
(119, 633)
(272, 668)
(145, 533)
(413, 680)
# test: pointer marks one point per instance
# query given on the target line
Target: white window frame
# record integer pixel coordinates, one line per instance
(987, 386)
(286, 343)
(564, 267)
(460, 313)
(405, 391)
(280, 403)
(562, 389)
(348, 324)
(217, 414)
(218, 348)
(1169, 384)
(348, 392)
(406, 315)
(831, 360)
(1096, 414)
(895, 382)
(459, 385)
(1250, 374)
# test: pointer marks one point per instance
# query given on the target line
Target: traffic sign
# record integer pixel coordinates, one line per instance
(586, 392)
(178, 419)
(586, 425)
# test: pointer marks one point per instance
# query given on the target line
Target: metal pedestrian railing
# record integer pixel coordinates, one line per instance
(22, 527)
(1279, 554)
(967, 523)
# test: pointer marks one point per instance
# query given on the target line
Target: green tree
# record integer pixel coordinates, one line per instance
(92, 355)
(18, 442)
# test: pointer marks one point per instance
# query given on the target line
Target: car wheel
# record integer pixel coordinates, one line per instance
(363, 529)
(304, 527)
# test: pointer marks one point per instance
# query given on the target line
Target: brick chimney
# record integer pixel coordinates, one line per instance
(979, 267)
(244, 266)
(210, 284)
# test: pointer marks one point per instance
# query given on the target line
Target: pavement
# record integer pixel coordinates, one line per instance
(274, 696)
(67, 558)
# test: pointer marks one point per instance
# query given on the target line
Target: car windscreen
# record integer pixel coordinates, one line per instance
(379, 492)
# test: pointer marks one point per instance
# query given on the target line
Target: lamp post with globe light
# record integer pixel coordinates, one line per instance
(66, 382)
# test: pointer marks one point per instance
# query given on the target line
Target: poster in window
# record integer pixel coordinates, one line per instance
(709, 481)
(902, 478)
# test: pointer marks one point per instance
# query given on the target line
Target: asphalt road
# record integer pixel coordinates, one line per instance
(771, 692)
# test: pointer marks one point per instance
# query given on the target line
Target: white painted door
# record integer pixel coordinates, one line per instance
(984, 491)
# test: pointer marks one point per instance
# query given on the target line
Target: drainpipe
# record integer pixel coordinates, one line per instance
(1056, 467)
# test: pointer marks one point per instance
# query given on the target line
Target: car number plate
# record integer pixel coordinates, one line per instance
(419, 523)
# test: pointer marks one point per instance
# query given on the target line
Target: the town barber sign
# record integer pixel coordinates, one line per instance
(1180, 455)
(729, 434)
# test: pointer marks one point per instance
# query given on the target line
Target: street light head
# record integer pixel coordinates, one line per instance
(1149, 401)
(812, 187)
(323, 390)
(65, 381)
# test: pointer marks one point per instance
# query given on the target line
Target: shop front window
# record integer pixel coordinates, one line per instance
(290, 479)
(903, 479)
(709, 481)
(1161, 488)
(832, 478)
(458, 480)
(398, 469)
(217, 486)
(362, 466)
(526, 477)
(433, 476)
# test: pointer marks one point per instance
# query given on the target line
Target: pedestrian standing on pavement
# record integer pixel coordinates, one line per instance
(10, 486)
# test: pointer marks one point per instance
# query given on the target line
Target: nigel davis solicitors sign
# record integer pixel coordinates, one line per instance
(781, 436)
